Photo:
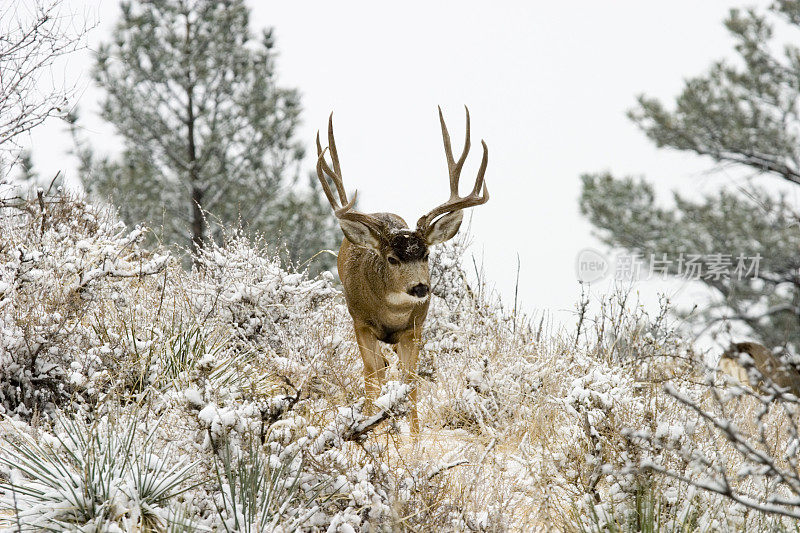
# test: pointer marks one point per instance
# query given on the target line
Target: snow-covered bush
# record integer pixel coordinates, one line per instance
(62, 262)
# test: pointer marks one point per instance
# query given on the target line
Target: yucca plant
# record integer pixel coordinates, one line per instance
(651, 513)
(93, 478)
(257, 496)
(187, 346)
(183, 350)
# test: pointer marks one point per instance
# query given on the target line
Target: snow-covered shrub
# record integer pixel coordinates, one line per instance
(273, 322)
(738, 443)
(316, 476)
(61, 264)
(651, 405)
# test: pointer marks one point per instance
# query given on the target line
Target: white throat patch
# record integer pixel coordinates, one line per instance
(403, 298)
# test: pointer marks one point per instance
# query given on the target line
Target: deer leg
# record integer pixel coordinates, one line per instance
(408, 353)
(374, 364)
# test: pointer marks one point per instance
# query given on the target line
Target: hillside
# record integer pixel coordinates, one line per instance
(138, 396)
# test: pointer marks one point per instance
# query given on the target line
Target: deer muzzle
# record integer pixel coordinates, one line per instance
(420, 290)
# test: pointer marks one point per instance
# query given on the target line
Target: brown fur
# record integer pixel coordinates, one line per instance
(367, 279)
(768, 364)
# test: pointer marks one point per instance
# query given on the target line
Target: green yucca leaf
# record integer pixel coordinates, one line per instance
(78, 481)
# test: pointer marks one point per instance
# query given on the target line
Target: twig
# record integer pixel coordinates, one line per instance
(488, 449)
(40, 196)
(516, 294)
(445, 467)
(359, 431)
(594, 479)
(583, 306)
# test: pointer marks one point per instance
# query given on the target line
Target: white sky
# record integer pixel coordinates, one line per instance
(547, 84)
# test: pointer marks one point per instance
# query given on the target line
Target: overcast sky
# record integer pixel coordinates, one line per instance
(547, 84)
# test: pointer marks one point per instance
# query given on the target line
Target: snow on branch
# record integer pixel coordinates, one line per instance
(759, 428)
(33, 36)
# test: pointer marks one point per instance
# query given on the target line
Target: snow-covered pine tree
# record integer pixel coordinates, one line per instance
(742, 114)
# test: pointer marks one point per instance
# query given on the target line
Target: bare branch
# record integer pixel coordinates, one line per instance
(32, 38)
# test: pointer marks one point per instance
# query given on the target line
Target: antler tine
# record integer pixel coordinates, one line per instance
(322, 179)
(336, 173)
(481, 171)
(455, 202)
(454, 168)
(346, 213)
(345, 209)
(335, 159)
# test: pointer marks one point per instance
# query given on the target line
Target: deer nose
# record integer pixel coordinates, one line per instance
(420, 290)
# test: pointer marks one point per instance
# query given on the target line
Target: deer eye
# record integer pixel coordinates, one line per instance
(393, 260)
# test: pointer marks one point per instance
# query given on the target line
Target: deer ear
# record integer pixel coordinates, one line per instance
(444, 228)
(359, 234)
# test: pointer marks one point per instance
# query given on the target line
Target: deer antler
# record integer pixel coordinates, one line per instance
(456, 203)
(342, 209)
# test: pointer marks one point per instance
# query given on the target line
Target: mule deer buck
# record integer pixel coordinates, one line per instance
(383, 264)
(769, 367)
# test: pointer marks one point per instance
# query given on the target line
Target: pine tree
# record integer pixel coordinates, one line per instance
(743, 114)
(208, 133)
